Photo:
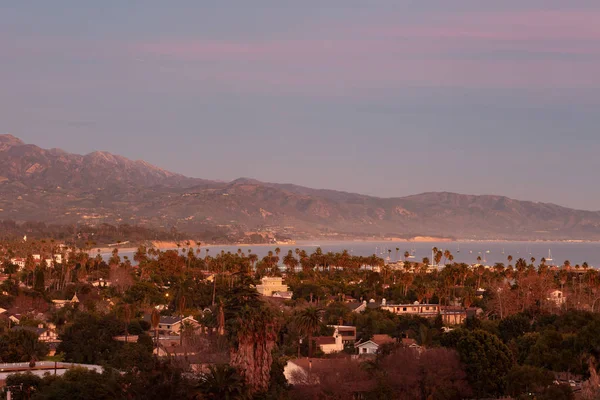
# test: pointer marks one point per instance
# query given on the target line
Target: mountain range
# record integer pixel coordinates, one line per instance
(53, 186)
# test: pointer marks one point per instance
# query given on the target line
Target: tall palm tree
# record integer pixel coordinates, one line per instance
(309, 322)
(155, 320)
(222, 382)
(126, 313)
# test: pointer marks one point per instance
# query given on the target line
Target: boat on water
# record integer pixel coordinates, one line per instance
(458, 248)
(549, 258)
(412, 252)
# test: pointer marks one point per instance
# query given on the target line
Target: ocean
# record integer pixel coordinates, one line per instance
(490, 252)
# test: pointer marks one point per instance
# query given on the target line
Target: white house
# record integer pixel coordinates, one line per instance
(371, 346)
(19, 262)
(330, 344)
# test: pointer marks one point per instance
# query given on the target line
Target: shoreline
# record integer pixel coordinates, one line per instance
(171, 245)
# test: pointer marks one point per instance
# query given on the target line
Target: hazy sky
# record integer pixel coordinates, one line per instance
(386, 98)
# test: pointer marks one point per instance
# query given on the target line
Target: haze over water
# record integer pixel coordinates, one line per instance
(576, 253)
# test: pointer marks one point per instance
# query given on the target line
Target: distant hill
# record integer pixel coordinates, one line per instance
(59, 187)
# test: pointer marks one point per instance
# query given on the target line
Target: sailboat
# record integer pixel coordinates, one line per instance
(549, 258)
(412, 252)
(458, 249)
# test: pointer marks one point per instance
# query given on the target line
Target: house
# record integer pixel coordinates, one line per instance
(557, 297)
(168, 324)
(307, 371)
(62, 303)
(283, 295)
(349, 299)
(330, 344)
(44, 334)
(357, 307)
(450, 315)
(19, 262)
(348, 333)
(370, 347)
(423, 310)
(271, 284)
(455, 315)
(360, 307)
(411, 344)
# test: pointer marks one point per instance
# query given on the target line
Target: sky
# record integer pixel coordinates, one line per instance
(386, 98)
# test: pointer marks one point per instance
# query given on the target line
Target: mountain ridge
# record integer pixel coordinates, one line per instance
(54, 185)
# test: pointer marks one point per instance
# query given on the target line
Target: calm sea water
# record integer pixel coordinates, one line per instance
(491, 252)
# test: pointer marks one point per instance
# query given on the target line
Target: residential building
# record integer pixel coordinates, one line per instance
(557, 297)
(348, 333)
(19, 262)
(370, 347)
(424, 310)
(330, 344)
(283, 295)
(172, 324)
(270, 285)
(62, 303)
(44, 334)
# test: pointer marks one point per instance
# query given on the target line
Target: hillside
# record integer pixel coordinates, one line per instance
(58, 187)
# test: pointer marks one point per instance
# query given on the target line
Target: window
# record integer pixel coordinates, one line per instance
(404, 309)
(427, 308)
(364, 349)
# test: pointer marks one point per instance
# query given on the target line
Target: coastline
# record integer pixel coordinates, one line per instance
(169, 245)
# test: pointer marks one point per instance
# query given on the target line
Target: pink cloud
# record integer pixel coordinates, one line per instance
(469, 49)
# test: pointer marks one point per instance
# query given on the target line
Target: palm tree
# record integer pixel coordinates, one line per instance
(309, 321)
(222, 382)
(290, 262)
(127, 319)
(187, 330)
(155, 320)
